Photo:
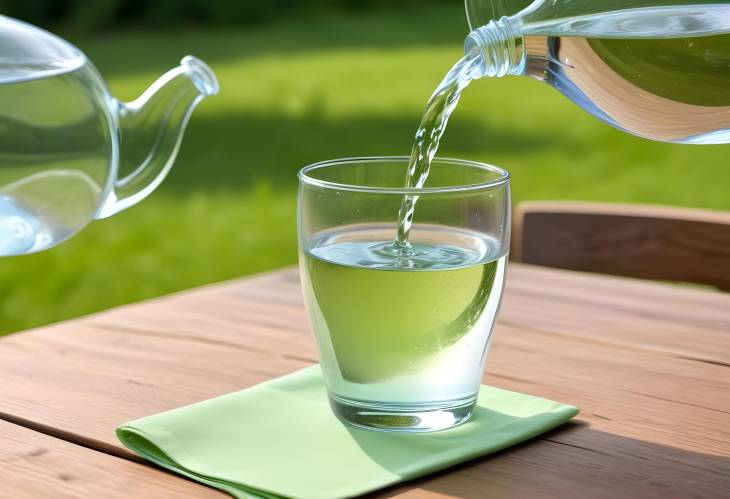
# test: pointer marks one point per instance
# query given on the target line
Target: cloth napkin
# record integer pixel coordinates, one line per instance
(280, 438)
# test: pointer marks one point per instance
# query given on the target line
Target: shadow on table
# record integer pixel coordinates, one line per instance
(573, 460)
(397, 452)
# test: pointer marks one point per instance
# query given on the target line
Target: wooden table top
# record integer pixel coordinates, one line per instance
(648, 364)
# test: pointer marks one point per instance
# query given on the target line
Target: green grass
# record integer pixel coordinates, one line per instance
(298, 92)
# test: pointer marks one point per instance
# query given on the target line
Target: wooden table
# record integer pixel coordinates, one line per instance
(649, 365)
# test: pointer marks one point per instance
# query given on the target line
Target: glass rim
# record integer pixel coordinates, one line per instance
(306, 179)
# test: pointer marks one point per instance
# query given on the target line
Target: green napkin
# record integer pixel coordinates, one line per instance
(281, 439)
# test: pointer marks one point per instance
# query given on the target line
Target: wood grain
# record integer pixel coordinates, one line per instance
(34, 465)
(622, 467)
(649, 365)
(650, 242)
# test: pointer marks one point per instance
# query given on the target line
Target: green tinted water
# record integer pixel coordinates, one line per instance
(403, 329)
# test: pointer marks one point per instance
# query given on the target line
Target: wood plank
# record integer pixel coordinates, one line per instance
(627, 311)
(651, 242)
(678, 320)
(34, 465)
(621, 467)
(647, 363)
(136, 374)
(82, 382)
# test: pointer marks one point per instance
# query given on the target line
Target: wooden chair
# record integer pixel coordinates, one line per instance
(650, 242)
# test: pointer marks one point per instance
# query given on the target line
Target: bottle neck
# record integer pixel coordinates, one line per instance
(500, 46)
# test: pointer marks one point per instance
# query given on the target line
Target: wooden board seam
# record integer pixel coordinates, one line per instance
(614, 344)
(207, 341)
(74, 438)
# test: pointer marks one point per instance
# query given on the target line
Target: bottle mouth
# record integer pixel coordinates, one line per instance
(203, 77)
(500, 47)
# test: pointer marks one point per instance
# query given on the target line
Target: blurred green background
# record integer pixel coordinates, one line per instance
(301, 82)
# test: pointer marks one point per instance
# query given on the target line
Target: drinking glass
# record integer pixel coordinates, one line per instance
(402, 329)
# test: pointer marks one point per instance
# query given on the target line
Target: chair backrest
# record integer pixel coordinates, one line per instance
(650, 242)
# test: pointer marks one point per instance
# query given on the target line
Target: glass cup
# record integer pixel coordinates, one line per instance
(402, 328)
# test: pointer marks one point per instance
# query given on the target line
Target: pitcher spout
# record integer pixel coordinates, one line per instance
(151, 129)
(201, 75)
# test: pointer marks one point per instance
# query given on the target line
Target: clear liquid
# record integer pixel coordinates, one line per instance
(442, 103)
(671, 90)
(667, 21)
(662, 73)
(55, 148)
(407, 329)
(22, 231)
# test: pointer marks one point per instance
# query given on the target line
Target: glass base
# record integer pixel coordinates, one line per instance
(403, 418)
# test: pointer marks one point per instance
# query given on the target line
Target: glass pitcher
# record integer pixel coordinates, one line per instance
(657, 69)
(71, 153)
